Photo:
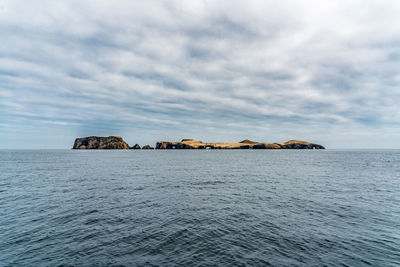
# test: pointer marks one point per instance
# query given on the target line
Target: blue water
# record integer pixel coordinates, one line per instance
(199, 208)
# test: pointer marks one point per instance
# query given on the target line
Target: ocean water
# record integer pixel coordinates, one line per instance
(200, 208)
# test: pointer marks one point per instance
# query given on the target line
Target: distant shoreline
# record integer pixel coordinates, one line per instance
(117, 142)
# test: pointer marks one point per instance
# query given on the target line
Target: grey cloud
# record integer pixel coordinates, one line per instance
(209, 68)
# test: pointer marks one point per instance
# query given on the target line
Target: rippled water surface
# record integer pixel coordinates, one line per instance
(196, 208)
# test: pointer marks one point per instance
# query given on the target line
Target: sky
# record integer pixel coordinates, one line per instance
(327, 72)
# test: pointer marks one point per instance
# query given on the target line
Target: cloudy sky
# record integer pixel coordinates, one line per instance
(323, 71)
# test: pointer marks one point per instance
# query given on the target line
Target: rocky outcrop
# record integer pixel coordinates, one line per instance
(147, 147)
(247, 141)
(296, 144)
(245, 144)
(96, 142)
(135, 147)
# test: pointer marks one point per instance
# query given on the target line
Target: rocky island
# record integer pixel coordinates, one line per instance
(117, 142)
(245, 144)
(96, 142)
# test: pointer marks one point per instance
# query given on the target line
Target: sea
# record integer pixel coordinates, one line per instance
(200, 208)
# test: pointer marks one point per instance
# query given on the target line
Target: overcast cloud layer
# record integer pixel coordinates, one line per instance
(323, 71)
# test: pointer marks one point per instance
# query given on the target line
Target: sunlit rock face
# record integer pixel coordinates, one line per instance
(96, 142)
(245, 144)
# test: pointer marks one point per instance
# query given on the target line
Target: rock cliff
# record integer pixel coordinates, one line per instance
(95, 142)
(245, 144)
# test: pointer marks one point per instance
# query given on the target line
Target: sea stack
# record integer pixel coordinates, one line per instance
(96, 142)
(135, 147)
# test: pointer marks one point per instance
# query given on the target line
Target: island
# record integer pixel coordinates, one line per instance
(96, 142)
(117, 142)
(245, 144)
